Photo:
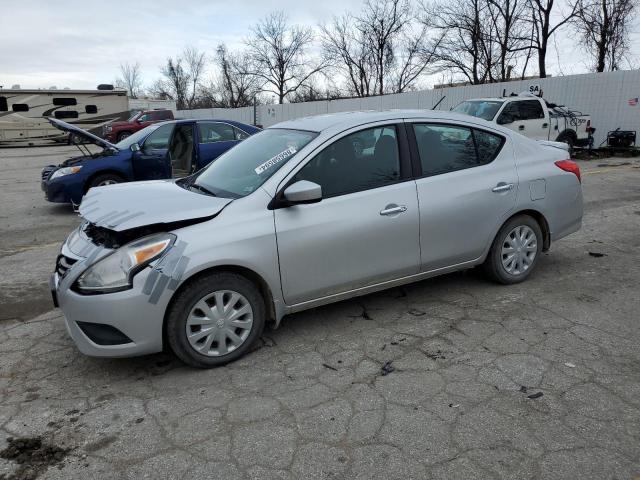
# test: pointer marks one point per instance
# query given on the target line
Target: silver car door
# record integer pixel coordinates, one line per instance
(467, 189)
(364, 230)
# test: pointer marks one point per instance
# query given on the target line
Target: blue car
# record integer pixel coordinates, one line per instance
(159, 151)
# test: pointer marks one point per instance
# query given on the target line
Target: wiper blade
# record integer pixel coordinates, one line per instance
(202, 189)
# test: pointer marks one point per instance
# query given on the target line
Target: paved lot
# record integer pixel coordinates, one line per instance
(311, 401)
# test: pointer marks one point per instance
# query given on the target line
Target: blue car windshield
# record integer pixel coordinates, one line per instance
(244, 168)
(136, 137)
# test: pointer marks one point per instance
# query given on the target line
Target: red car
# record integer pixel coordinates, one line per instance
(114, 132)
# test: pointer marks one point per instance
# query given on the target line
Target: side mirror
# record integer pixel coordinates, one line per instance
(135, 147)
(303, 191)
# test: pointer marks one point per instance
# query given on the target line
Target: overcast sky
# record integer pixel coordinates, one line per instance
(81, 43)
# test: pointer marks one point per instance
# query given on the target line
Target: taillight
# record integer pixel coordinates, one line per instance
(588, 123)
(569, 166)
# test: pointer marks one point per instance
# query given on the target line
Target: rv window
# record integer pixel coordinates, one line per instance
(91, 109)
(66, 114)
(20, 107)
(64, 102)
(3, 104)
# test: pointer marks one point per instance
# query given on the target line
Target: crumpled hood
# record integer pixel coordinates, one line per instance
(136, 204)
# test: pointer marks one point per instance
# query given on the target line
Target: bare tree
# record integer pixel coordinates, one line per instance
(235, 87)
(279, 55)
(130, 79)
(382, 22)
(465, 46)
(194, 61)
(509, 36)
(175, 84)
(605, 26)
(380, 50)
(543, 27)
(346, 51)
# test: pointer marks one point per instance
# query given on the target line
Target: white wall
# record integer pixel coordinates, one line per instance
(150, 104)
(604, 96)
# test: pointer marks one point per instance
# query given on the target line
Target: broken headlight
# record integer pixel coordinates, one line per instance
(116, 271)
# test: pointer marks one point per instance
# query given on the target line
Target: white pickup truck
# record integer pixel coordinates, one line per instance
(533, 117)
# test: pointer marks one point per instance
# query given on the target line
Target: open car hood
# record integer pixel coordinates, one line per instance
(89, 137)
(136, 204)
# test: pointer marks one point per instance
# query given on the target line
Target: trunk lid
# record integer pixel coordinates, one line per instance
(136, 204)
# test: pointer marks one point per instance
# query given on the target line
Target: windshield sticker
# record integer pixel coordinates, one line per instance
(275, 160)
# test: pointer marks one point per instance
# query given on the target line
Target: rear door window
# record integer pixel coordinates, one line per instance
(448, 148)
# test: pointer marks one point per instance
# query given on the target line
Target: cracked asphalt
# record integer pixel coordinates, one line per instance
(460, 398)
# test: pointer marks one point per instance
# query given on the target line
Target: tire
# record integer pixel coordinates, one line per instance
(567, 138)
(211, 288)
(123, 135)
(105, 179)
(498, 270)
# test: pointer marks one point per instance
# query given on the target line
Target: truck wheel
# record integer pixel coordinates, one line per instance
(566, 137)
(215, 320)
(105, 179)
(123, 135)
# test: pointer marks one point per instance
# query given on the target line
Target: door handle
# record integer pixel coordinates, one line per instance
(502, 187)
(520, 127)
(393, 209)
(545, 125)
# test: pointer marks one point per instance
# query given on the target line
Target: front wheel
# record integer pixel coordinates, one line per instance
(123, 135)
(216, 320)
(515, 250)
(106, 179)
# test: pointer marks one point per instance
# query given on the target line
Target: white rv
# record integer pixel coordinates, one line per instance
(24, 113)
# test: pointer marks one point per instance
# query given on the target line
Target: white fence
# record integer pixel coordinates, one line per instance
(604, 96)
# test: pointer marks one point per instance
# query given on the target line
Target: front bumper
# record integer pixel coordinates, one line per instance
(129, 315)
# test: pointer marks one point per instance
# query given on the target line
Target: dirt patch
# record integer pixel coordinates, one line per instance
(32, 455)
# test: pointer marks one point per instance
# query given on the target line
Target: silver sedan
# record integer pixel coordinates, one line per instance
(305, 213)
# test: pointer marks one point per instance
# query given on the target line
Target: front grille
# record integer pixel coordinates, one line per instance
(47, 172)
(63, 264)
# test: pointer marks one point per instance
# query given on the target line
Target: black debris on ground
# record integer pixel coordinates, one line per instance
(32, 455)
(387, 368)
(533, 396)
(523, 389)
(416, 313)
(436, 356)
(325, 365)
(597, 254)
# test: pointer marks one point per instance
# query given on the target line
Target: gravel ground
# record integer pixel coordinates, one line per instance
(537, 380)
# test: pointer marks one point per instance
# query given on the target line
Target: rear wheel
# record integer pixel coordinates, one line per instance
(567, 138)
(216, 320)
(105, 179)
(515, 250)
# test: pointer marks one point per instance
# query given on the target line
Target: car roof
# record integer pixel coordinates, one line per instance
(221, 120)
(345, 120)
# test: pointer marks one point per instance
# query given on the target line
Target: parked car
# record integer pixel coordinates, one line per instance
(303, 214)
(534, 118)
(117, 131)
(155, 152)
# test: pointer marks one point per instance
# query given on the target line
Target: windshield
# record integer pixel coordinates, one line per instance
(485, 109)
(136, 137)
(134, 114)
(245, 167)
